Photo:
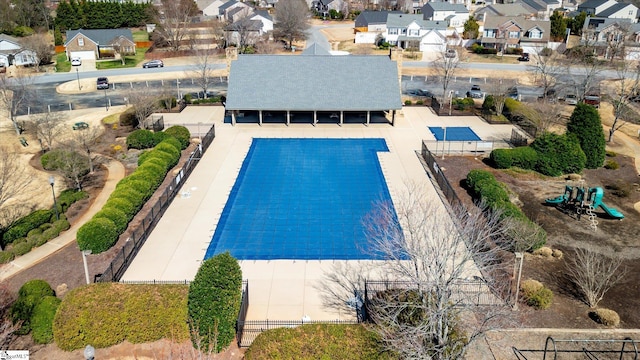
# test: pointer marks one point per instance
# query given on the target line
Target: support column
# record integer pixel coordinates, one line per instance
(315, 118)
(393, 117)
(341, 117)
(260, 117)
(368, 117)
(288, 117)
(233, 118)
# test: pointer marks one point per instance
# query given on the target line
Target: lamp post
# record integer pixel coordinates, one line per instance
(84, 262)
(178, 85)
(519, 258)
(444, 140)
(52, 182)
(89, 352)
(78, 77)
(450, 101)
(106, 101)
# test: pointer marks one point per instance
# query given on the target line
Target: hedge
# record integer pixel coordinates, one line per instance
(117, 216)
(168, 147)
(29, 296)
(137, 184)
(125, 206)
(106, 314)
(558, 154)
(318, 341)
(140, 139)
(214, 302)
(163, 156)
(97, 235)
(42, 319)
(522, 157)
(181, 134)
(70, 196)
(22, 227)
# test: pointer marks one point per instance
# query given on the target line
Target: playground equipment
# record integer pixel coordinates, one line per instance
(583, 200)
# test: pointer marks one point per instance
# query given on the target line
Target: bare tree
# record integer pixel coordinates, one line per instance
(48, 127)
(203, 69)
(14, 177)
(291, 20)
(587, 68)
(433, 250)
(72, 165)
(15, 95)
(446, 67)
(244, 31)
(87, 139)
(144, 104)
(594, 274)
(41, 45)
(546, 67)
(267, 46)
(616, 41)
(499, 91)
(628, 85)
(173, 19)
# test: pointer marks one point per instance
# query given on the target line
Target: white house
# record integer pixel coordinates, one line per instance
(370, 24)
(12, 53)
(610, 9)
(412, 31)
(454, 14)
(211, 7)
(613, 38)
(266, 20)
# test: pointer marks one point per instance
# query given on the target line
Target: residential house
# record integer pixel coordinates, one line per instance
(455, 15)
(13, 53)
(501, 32)
(543, 8)
(371, 24)
(412, 31)
(246, 30)
(508, 10)
(231, 8)
(323, 7)
(99, 43)
(612, 38)
(609, 9)
(211, 7)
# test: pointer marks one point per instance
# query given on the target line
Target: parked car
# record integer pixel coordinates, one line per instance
(571, 99)
(524, 57)
(551, 95)
(593, 100)
(450, 53)
(475, 92)
(153, 64)
(76, 61)
(80, 125)
(102, 83)
(512, 92)
(421, 92)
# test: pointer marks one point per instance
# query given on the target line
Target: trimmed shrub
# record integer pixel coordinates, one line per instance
(544, 252)
(117, 216)
(476, 175)
(535, 294)
(180, 133)
(137, 183)
(29, 296)
(6, 256)
(611, 165)
(42, 319)
(158, 137)
(558, 154)
(173, 141)
(70, 196)
(489, 103)
(169, 148)
(407, 102)
(22, 227)
(605, 317)
(107, 314)
(165, 157)
(38, 288)
(522, 157)
(128, 193)
(214, 302)
(557, 254)
(97, 235)
(123, 205)
(530, 286)
(585, 124)
(318, 341)
(140, 139)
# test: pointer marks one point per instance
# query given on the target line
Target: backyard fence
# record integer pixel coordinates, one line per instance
(626, 348)
(126, 254)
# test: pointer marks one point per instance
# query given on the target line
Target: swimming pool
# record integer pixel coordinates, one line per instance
(302, 199)
(461, 133)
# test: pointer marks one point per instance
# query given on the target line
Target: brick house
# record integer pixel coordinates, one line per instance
(99, 44)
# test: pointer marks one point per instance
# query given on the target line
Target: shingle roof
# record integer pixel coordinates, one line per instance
(538, 6)
(445, 6)
(612, 10)
(226, 5)
(402, 20)
(306, 83)
(506, 9)
(369, 17)
(100, 36)
(263, 13)
(315, 49)
(591, 4)
(9, 38)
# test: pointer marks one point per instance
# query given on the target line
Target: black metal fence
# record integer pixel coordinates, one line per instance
(252, 328)
(242, 315)
(442, 181)
(125, 255)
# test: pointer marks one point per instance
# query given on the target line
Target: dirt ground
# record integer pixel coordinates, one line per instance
(613, 237)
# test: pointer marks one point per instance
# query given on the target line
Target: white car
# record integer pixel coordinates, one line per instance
(76, 61)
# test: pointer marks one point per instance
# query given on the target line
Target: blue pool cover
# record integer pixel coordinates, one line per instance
(302, 199)
(455, 134)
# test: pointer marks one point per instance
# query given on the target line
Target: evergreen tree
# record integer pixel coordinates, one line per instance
(471, 28)
(558, 26)
(577, 23)
(586, 125)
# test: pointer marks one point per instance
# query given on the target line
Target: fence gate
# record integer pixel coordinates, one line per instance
(598, 349)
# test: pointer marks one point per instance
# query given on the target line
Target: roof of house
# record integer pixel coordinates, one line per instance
(308, 83)
(518, 9)
(592, 4)
(245, 24)
(445, 6)
(5, 37)
(203, 4)
(369, 17)
(263, 13)
(403, 20)
(535, 5)
(600, 23)
(226, 5)
(315, 49)
(494, 22)
(100, 36)
(612, 9)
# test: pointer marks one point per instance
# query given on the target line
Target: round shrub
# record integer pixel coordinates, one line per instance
(606, 317)
(42, 319)
(21, 248)
(530, 286)
(62, 224)
(536, 295)
(137, 183)
(476, 175)
(97, 235)
(153, 173)
(558, 154)
(36, 287)
(128, 193)
(126, 207)
(557, 254)
(29, 295)
(168, 148)
(544, 252)
(214, 301)
(34, 232)
(22, 227)
(158, 137)
(157, 161)
(70, 196)
(524, 157)
(6, 256)
(611, 165)
(140, 139)
(407, 102)
(491, 192)
(501, 158)
(181, 133)
(165, 157)
(173, 141)
(118, 217)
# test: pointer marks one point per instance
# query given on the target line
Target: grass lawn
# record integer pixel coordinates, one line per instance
(129, 61)
(62, 64)
(140, 35)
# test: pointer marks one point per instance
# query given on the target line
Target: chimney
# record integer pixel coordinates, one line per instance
(231, 55)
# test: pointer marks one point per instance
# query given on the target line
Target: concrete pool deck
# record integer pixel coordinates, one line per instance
(278, 289)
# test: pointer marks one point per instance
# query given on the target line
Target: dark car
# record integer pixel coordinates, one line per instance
(153, 64)
(421, 92)
(80, 125)
(524, 57)
(475, 92)
(102, 83)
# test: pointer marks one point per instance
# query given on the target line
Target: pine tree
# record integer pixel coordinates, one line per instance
(586, 125)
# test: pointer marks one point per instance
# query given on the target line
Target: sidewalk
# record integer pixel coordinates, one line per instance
(116, 173)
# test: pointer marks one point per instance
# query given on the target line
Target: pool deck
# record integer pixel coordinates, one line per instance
(278, 289)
